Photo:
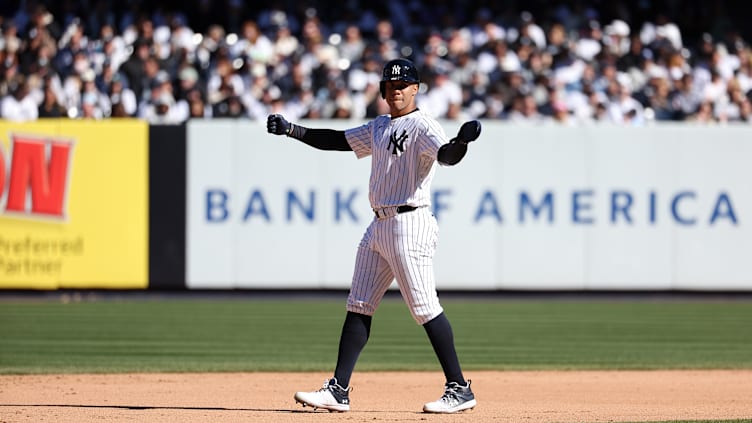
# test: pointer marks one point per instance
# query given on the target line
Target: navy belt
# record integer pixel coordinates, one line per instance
(384, 212)
(405, 209)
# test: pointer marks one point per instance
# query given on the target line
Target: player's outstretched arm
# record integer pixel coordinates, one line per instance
(323, 139)
(452, 152)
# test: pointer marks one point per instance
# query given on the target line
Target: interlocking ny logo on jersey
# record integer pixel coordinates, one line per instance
(397, 142)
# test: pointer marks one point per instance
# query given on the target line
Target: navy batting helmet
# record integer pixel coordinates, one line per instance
(399, 70)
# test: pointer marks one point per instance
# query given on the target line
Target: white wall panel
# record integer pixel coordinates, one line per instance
(665, 207)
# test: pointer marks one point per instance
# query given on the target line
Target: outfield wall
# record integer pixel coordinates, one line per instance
(529, 208)
(220, 204)
(73, 204)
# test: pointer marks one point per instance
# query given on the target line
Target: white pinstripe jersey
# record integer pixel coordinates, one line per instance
(404, 153)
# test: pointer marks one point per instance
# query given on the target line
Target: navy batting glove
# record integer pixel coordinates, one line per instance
(277, 125)
(470, 131)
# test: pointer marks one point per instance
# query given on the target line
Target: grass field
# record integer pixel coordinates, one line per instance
(122, 334)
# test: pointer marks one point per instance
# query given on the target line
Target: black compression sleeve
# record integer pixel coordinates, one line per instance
(451, 153)
(323, 139)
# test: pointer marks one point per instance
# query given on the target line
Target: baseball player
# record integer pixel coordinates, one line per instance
(400, 241)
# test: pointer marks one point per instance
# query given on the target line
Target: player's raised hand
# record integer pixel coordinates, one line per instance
(469, 131)
(277, 125)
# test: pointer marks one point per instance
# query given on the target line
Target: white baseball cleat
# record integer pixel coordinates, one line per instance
(330, 397)
(456, 398)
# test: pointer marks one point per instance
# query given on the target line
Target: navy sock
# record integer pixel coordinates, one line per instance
(355, 333)
(442, 339)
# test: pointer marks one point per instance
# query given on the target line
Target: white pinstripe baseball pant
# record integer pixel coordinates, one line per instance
(400, 247)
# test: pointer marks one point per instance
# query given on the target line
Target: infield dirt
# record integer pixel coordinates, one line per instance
(503, 396)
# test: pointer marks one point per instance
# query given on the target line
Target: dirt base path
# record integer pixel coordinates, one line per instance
(564, 396)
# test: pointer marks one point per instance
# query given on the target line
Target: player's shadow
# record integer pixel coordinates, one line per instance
(162, 407)
(148, 407)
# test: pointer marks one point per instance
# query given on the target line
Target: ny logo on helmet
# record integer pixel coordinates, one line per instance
(396, 70)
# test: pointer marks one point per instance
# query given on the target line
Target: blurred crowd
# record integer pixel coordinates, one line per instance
(565, 62)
